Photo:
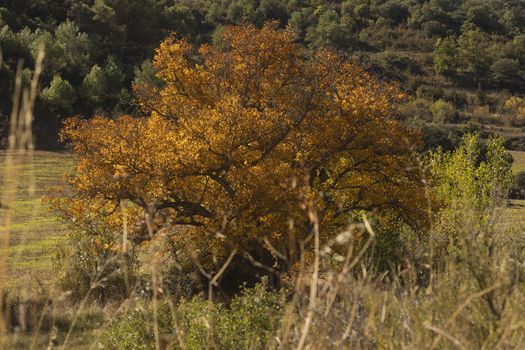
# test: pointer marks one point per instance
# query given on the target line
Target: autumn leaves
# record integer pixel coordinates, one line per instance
(240, 135)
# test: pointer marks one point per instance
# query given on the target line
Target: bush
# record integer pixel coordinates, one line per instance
(246, 323)
(518, 188)
(457, 98)
(434, 28)
(418, 109)
(482, 115)
(515, 109)
(516, 143)
(430, 92)
(91, 266)
(413, 83)
(397, 66)
(471, 180)
(446, 56)
(506, 73)
(440, 136)
(442, 112)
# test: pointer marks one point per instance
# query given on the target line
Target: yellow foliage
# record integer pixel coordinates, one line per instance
(241, 138)
(515, 105)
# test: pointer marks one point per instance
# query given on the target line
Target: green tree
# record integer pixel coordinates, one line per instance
(332, 29)
(446, 56)
(469, 184)
(93, 87)
(394, 11)
(271, 10)
(301, 20)
(514, 20)
(436, 11)
(515, 49)
(130, 29)
(183, 19)
(473, 53)
(507, 73)
(60, 94)
(75, 47)
(102, 87)
(483, 16)
(146, 74)
(54, 53)
(16, 44)
(240, 11)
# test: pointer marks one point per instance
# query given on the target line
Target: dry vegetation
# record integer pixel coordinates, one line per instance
(132, 273)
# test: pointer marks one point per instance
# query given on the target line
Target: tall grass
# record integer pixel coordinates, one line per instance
(340, 300)
(20, 150)
(452, 291)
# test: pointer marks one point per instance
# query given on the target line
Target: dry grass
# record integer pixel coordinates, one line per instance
(473, 299)
(505, 131)
(20, 147)
(28, 233)
(519, 161)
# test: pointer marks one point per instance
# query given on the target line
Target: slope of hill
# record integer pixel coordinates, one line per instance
(460, 60)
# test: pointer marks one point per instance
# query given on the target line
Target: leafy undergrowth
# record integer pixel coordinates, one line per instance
(457, 286)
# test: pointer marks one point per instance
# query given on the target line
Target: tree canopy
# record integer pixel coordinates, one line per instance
(244, 139)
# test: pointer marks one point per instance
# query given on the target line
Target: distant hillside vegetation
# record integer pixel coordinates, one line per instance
(463, 61)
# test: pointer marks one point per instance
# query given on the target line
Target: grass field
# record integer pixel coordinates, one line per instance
(519, 161)
(34, 230)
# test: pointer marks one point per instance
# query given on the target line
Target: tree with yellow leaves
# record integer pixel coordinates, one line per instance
(241, 140)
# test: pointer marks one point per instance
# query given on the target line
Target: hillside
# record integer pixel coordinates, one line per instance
(460, 61)
(262, 174)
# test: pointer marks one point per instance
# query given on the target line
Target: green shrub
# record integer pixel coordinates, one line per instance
(514, 107)
(446, 56)
(247, 322)
(439, 136)
(518, 187)
(516, 143)
(434, 28)
(506, 73)
(482, 115)
(417, 109)
(469, 183)
(457, 98)
(430, 92)
(442, 112)
(91, 267)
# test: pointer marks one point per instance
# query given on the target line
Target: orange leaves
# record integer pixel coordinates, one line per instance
(115, 155)
(171, 60)
(234, 126)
